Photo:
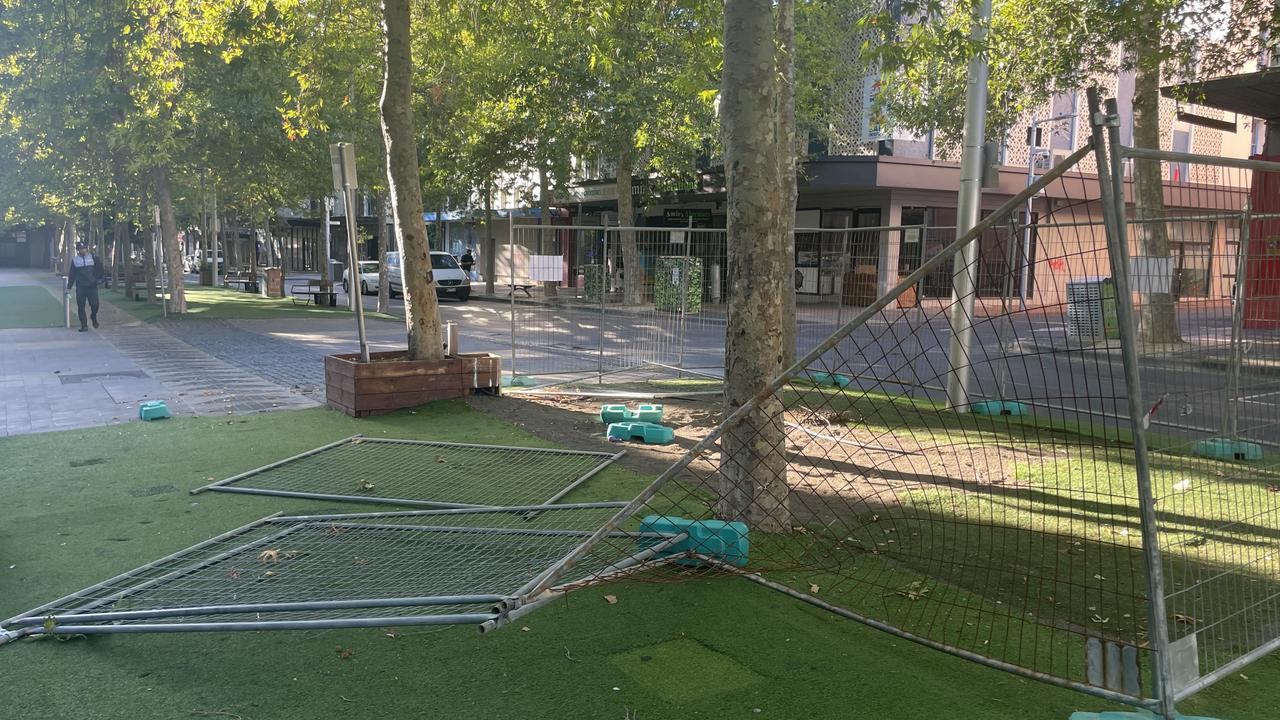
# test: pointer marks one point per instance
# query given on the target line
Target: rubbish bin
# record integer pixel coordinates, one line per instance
(1091, 308)
(676, 274)
(336, 269)
(271, 281)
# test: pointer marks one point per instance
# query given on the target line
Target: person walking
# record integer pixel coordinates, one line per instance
(467, 261)
(84, 274)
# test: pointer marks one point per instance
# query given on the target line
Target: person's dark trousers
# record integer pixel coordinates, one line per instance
(87, 293)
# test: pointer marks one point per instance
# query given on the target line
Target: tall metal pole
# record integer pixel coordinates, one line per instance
(604, 292)
(968, 207)
(1231, 414)
(353, 278)
(511, 252)
(328, 233)
(158, 239)
(1112, 187)
(217, 242)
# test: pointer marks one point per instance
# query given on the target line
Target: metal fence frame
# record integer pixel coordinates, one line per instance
(1106, 679)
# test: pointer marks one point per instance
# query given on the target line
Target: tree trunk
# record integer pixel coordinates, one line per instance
(384, 284)
(490, 243)
(119, 250)
(149, 247)
(546, 238)
(441, 231)
(230, 242)
(126, 260)
(169, 238)
(1157, 320)
(421, 312)
(632, 273)
(786, 49)
(67, 244)
(753, 466)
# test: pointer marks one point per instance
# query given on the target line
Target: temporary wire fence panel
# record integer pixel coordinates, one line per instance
(1097, 509)
(1209, 380)
(423, 473)
(1002, 527)
(392, 569)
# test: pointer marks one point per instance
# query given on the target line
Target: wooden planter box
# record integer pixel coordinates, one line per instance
(390, 381)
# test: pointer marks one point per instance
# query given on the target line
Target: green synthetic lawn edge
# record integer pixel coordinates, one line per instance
(29, 306)
(226, 304)
(83, 505)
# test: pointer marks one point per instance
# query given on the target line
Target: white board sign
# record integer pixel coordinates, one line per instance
(1149, 275)
(546, 268)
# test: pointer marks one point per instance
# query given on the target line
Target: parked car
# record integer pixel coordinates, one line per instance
(450, 280)
(368, 277)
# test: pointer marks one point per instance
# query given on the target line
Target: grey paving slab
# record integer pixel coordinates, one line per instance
(55, 378)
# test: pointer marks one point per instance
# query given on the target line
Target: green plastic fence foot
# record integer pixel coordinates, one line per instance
(998, 407)
(723, 540)
(651, 433)
(1224, 449)
(826, 378)
(621, 413)
(153, 410)
(1129, 715)
(518, 381)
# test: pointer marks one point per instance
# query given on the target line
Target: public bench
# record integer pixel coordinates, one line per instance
(312, 291)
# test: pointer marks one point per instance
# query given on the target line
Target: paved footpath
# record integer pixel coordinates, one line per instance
(59, 379)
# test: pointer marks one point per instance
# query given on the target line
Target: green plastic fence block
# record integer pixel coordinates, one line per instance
(622, 413)
(999, 407)
(153, 410)
(1224, 449)
(723, 540)
(826, 378)
(518, 381)
(651, 433)
(1129, 715)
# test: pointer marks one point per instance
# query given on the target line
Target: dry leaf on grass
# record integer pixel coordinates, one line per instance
(269, 556)
(611, 599)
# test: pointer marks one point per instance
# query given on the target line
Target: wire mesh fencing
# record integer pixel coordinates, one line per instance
(1202, 269)
(598, 301)
(1064, 470)
(441, 567)
(423, 473)
(958, 471)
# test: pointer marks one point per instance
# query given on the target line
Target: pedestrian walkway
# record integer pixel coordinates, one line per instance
(60, 379)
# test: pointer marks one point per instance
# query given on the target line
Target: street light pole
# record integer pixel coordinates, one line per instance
(342, 158)
(968, 207)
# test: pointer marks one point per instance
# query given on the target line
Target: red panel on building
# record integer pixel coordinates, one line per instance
(1262, 272)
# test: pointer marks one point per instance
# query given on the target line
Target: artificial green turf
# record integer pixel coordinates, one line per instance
(29, 306)
(229, 304)
(82, 505)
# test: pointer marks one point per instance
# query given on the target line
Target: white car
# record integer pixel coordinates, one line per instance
(368, 277)
(450, 280)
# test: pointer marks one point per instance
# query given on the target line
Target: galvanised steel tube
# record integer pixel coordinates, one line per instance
(1157, 624)
(263, 607)
(462, 619)
(514, 509)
